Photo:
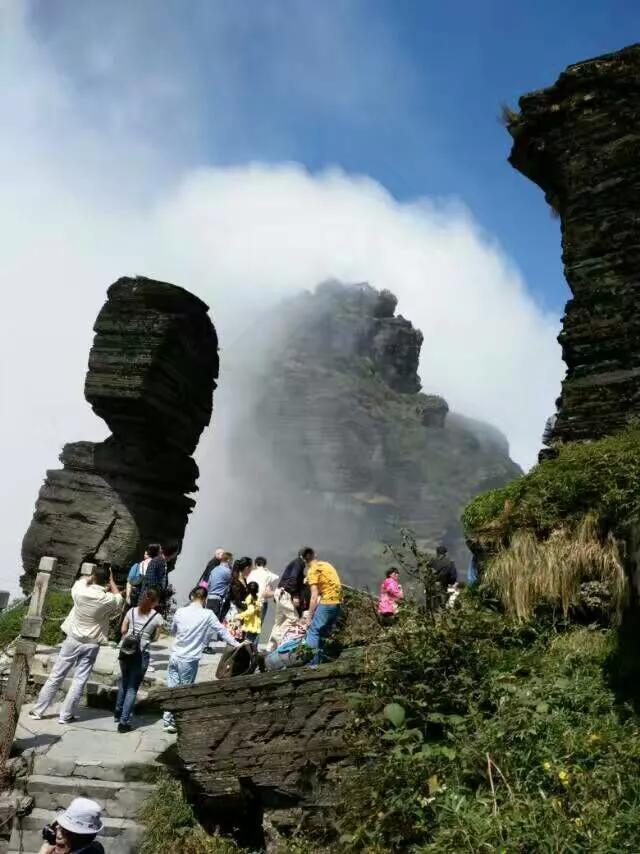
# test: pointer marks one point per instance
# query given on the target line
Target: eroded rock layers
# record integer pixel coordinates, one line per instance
(579, 140)
(152, 371)
(348, 449)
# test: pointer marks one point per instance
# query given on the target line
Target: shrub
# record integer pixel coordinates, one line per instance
(512, 740)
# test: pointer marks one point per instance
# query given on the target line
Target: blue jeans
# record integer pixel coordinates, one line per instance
(180, 672)
(132, 674)
(324, 619)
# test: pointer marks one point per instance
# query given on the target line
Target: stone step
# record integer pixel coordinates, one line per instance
(119, 835)
(118, 799)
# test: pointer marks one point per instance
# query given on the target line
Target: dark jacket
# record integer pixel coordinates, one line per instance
(292, 579)
(445, 570)
(156, 574)
(215, 561)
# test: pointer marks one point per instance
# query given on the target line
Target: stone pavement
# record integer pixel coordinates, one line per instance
(90, 758)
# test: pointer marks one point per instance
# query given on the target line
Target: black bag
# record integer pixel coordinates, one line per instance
(130, 649)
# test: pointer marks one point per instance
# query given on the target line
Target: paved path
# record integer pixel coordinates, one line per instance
(89, 757)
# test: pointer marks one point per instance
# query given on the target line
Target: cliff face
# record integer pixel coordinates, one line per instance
(354, 449)
(579, 140)
(152, 371)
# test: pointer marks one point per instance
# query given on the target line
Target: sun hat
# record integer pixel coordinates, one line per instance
(82, 816)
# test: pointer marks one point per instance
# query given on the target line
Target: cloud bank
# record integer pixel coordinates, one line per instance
(88, 197)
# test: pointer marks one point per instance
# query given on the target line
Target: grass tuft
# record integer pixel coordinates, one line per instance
(532, 572)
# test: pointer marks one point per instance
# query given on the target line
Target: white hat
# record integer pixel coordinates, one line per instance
(82, 816)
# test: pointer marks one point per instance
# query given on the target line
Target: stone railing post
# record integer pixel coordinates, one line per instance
(25, 647)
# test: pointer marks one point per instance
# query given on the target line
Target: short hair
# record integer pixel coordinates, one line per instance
(305, 552)
(100, 573)
(441, 550)
(153, 550)
(261, 561)
(253, 588)
(226, 557)
(391, 570)
(198, 593)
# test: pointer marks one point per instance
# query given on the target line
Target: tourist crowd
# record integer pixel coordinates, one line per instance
(229, 603)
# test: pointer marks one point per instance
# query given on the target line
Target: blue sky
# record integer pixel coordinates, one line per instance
(406, 91)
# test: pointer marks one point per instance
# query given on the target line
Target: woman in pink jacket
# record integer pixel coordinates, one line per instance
(390, 594)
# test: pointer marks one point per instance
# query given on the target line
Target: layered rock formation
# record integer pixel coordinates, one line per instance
(152, 371)
(340, 448)
(579, 140)
(267, 745)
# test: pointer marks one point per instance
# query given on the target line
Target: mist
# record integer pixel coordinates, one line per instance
(92, 190)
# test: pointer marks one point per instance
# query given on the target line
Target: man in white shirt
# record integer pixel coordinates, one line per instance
(194, 627)
(267, 582)
(95, 600)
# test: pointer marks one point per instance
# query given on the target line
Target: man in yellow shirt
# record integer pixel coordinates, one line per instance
(326, 597)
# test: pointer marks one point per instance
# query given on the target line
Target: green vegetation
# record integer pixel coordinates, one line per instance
(170, 825)
(478, 733)
(56, 607)
(602, 478)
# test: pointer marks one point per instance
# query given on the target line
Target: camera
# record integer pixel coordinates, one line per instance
(49, 833)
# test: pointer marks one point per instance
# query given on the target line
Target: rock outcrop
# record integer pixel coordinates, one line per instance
(152, 372)
(579, 141)
(267, 745)
(340, 448)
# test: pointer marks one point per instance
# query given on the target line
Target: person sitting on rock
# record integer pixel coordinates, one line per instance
(194, 627)
(75, 830)
(325, 604)
(141, 624)
(95, 600)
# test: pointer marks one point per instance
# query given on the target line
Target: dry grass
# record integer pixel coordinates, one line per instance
(533, 572)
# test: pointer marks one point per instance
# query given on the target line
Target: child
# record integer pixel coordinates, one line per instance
(250, 618)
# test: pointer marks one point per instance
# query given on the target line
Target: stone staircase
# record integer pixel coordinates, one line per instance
(90, 759)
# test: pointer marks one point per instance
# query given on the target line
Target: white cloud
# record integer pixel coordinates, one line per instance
(77, 213)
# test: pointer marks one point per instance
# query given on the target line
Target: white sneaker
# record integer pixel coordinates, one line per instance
(170, 728)
(34, 715)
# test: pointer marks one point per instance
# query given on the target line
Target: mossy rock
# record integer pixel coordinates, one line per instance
(601, 477)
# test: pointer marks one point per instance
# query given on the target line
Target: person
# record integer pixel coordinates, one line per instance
(238, 594)
(194, 626)
(266, 581)
(324, 607)
(250, 618)
(288, 597)
(444, 568)
(472, 572)
(134, 579)
(390, 594)
(75, 829)
(143, 624)
(211, 565)
(218, 586)
(95, 600)
(157, 575)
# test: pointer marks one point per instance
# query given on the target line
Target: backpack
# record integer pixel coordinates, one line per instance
(130, 649)
(136, 585)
